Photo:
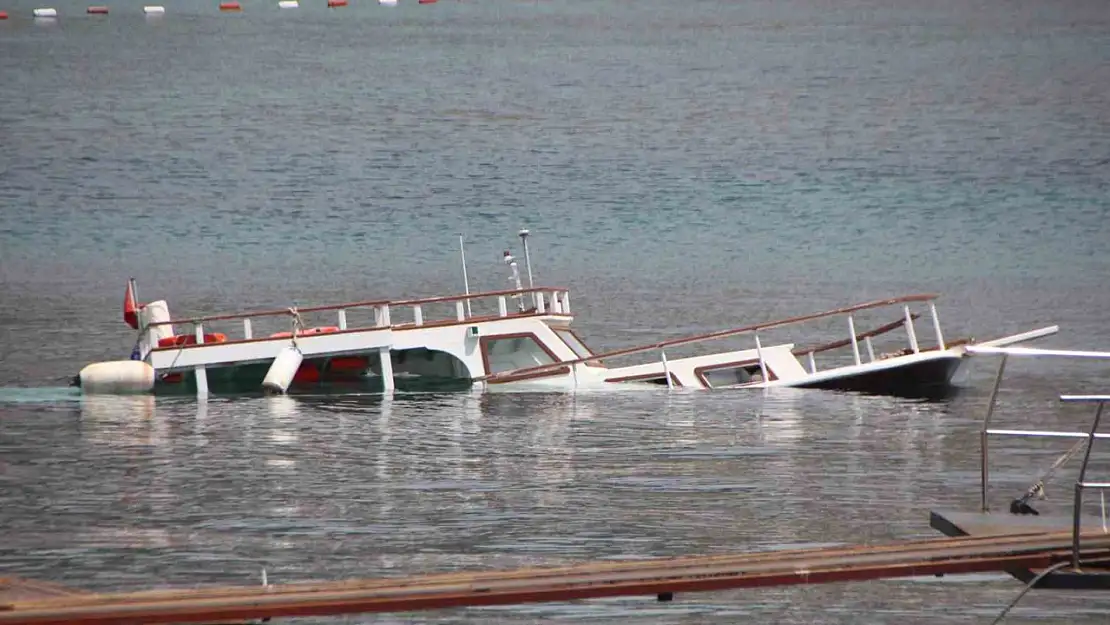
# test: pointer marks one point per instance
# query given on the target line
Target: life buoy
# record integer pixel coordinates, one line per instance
(190, 339)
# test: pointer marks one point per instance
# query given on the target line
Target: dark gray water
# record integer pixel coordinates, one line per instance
(683, 167)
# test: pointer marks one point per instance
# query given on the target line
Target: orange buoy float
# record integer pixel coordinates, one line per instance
(231, 6)
(97, 10)
(3, 15)
(306, 332)
(427, 1)
(190, 339)
(337, 3)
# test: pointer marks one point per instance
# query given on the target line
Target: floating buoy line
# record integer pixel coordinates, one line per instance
(225, 6)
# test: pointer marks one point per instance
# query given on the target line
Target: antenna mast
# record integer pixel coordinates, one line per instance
(528, 262)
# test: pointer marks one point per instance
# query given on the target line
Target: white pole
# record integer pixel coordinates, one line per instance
(528, 263)
(466, 280)
(666, 369)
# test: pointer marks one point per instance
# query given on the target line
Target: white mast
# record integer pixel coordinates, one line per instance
(466, 280)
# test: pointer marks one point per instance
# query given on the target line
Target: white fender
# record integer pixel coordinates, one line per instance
(117, 377)
(281, 372)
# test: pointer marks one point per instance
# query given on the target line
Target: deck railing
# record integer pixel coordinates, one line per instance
(1089, 436)
(509, 303)
(854, 339)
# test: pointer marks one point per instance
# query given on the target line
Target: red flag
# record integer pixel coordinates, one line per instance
(130, 307)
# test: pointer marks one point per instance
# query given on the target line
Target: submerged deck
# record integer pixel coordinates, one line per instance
(661, 578)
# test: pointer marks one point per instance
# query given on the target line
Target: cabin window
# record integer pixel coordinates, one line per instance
(573, 342)
(508, 353)
(717, 378)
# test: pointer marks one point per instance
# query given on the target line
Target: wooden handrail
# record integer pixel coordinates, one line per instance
(364, 304)
(923, 297)
(893, 325)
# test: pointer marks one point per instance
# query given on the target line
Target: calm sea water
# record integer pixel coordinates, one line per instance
(683, 167)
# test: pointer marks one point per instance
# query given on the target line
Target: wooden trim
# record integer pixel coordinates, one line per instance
(531, 376)
(363, 304)
(700, 371)
(755, 327)
(483, 345)
(890, 327)
(645, 376)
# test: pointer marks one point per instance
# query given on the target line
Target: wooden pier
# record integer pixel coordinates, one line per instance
(661, 578)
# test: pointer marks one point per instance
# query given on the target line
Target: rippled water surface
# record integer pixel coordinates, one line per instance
(683, 167)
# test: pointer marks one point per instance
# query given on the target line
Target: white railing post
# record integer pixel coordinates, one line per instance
(870, 349)
(812, 363)
(460, 310)
(556, 305)
(1080, 484)
(566, 302)
(502, 307)
(855, 343)
(385, 358)
(200, 372)
(418, 315)
(386, 321)
(666, 368)
(342, 315)
(759, 354)
(540, 306)
(936, 324)
(377, 316)
(248, 332)
(909, 329)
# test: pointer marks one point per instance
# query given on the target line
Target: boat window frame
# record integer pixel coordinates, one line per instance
(483, 346)
(577, 337)
(738, 364)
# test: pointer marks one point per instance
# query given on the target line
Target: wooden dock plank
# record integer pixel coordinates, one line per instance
(13, 589)
(589, 580)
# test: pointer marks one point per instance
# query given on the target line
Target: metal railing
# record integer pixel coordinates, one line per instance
(547, 300)
(854, 339)
(1089, 436)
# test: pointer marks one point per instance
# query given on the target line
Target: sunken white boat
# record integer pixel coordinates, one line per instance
(520, 339)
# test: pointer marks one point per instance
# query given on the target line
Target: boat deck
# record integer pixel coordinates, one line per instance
(986, 524)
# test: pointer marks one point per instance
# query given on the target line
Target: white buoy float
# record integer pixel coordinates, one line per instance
(154, 10)
(288, 4)
(388, 3)
(116, 377)
(46, 12)
(281, 372)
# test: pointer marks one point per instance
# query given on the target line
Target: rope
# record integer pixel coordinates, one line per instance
(298, 324)
(1028, 587)
(1021, 504)
(1033, 582)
